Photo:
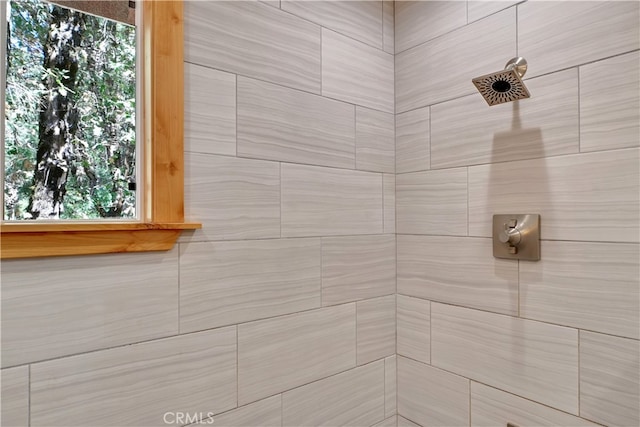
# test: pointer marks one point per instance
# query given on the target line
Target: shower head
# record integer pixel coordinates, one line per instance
(505, 85)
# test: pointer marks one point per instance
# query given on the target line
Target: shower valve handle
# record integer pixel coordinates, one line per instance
(511, 236)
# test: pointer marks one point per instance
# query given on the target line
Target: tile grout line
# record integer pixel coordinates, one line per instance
(283, 392)
(384, 386)
(430, 161)
(396, 378)
(237, 365)
(423, 235)
(29, 397)
(337, 236)
(497, 313)
(517, 40)
(467, 202)
(430, 333)
(454, 29)
(525, 79)
(518, 279)
(579, 113)
(384, 214)
(235, 77)
(496, 388)
(321, 64)
(280, 195)
(282, 85)
(528, 159)
(258, 159)
(382, 23)
(459, 236)
(321, 274)
(579, 371)
(469, 391)
(336, 31)
(165, 337)
(355, 139)
(466, 11)
(356, 325)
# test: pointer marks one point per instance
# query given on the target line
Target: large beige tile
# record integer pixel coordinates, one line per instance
(375, 140)
(232, 198)
(264, 413)
(466, 131)
(457, 270)
(592, 196)
(431, 396)
(534, 360)
(361, 20)
(15, 397)
(610, 103)
(58, 306)
(477, 9)
(320, 201)
(135, 385)
(277, 123)
(353, 398)
(442, 68)
(491, 407)
(356, 73)
(432, 202)
(413, 152)
(225, 283)
(585, 285)
(209, 110)
(609, 379)
(355, 268)
(389, 196)
(388, 26)
(414, 328)
(557, 34)
(375, 328)
(390, 386)
(420, 21)
(255, 40)
(279, 354)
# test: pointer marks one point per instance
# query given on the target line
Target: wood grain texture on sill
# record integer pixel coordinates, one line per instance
(38, 240)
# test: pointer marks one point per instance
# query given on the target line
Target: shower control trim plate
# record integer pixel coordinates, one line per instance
(516, 236)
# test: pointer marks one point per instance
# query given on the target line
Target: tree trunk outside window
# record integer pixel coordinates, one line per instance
(58, 117)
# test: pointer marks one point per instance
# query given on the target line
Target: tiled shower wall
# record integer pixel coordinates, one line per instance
(483, 341)
(282, 309)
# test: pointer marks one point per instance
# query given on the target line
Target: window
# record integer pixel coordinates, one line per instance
(161, 216)
(70, 117)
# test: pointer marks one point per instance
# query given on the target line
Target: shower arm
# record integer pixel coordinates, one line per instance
(519, 65)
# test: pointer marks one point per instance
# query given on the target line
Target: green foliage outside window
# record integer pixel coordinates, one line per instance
(70, 134)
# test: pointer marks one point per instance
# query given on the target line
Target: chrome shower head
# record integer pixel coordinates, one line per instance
(505, 85)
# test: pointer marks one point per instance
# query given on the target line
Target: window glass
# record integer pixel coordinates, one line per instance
(70, 131)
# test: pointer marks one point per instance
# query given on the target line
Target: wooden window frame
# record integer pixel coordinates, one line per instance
(163, 169)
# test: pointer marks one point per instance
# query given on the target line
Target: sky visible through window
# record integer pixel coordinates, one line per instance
(70, 115)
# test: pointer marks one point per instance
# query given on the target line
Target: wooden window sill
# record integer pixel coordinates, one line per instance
(38, 240)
